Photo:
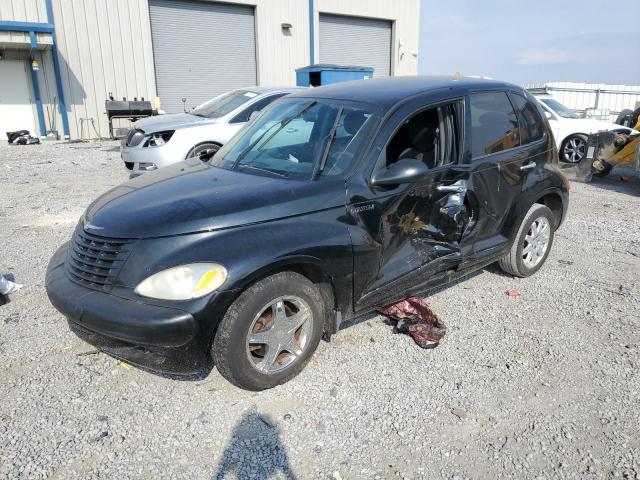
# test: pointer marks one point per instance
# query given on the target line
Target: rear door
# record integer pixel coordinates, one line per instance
(507, 128)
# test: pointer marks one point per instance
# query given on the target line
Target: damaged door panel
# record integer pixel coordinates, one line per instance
(412, 229)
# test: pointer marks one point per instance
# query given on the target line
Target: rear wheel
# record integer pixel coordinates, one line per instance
(574, 148)
(269, 333)
(532, 244)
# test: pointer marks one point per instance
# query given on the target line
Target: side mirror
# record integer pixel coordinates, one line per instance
(403, 171)
(254, 114)
(548, 115)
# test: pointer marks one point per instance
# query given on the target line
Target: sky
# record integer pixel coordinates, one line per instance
(525, 41)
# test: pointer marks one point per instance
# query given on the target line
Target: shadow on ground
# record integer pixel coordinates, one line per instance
(254, 451)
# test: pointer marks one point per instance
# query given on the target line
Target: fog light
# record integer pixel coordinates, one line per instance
(147, 166)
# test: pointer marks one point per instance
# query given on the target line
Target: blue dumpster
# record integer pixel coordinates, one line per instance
(323, 74)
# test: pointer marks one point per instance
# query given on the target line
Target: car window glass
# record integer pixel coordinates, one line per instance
(245, 115)
(494, 125)
(531, 126)
(293, 136)
(431, 136)
(558, 108)
(220, 106)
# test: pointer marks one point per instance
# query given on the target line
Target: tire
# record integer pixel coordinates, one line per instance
(574, 148)
(514, 262)
(247, 364)
(624, 118)
(201, 148)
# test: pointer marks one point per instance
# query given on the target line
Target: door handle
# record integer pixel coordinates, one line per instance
(528, 166)
(451, 188)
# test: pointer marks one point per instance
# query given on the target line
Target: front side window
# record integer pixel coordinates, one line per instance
(494, 125)
(245, 115)
(431, 136)
(531, 126)
(299, 137)
(220, 106)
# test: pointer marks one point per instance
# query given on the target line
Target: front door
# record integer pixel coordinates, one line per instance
(405, 233)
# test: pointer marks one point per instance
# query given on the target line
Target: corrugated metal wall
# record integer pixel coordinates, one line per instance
(105, 46)
(593, 96)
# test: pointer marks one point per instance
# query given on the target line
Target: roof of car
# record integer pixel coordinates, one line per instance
(272, 89)
(386, 92)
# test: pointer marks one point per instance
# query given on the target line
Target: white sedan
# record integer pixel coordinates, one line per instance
(158, 141)
(570, 131)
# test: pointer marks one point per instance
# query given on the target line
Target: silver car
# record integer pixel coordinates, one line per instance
(162, 140)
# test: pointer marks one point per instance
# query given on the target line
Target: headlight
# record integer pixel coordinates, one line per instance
(159, 138)
(184, 282)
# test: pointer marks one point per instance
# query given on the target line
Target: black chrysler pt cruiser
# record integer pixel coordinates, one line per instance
(331, 202)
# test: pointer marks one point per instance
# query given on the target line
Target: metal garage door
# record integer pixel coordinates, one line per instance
(356, 41)
(16, 112)
(200, 50)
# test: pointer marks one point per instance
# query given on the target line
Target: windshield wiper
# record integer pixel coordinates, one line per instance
(330, 137)
(260, 169)
(283, 123)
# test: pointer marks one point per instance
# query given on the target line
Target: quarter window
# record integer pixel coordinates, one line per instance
(531, 126)
(494, 125)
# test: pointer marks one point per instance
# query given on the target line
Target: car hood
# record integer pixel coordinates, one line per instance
(171, 121)
(589, 125)
(192, 196)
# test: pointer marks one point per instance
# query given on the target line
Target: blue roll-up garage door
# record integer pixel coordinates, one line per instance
(357, 41)
(200, 50)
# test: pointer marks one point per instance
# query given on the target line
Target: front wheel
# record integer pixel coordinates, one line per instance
(269, 333)
(198, 150)
(532, 243)
(574, 148)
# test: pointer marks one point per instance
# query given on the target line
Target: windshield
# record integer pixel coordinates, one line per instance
(299, 138)
(220, 106)
(558, 108)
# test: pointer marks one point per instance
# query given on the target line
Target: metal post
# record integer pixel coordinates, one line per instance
(36, 87)
(56, 71)
(312, 33)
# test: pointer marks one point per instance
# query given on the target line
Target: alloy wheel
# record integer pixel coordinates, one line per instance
(536, 242)
(574, 150)
(279, 334)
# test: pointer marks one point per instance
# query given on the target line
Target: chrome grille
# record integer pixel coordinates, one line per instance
(95, 261)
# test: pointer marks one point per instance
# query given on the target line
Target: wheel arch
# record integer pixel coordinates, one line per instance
(215, 142)
(311, 268)
(554, 202)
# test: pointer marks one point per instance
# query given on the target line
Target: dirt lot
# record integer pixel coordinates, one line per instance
(546, 385)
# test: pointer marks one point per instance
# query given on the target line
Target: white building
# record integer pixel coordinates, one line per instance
(60, 59)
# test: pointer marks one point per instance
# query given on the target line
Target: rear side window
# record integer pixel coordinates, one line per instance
(494, 124)
(245, 115)
(531, 126)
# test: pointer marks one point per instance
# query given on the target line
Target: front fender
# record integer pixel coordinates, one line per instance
(250, 252)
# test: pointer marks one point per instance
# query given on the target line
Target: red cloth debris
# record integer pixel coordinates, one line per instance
(414, 317)
(512, 293)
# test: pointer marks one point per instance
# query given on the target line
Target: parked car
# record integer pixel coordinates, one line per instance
(162, 140)
(332, 202)
(570, 131)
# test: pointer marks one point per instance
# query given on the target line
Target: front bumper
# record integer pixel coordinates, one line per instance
(139, 159)
(155, 337)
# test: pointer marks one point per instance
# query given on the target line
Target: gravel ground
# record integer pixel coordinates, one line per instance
(545, 385)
